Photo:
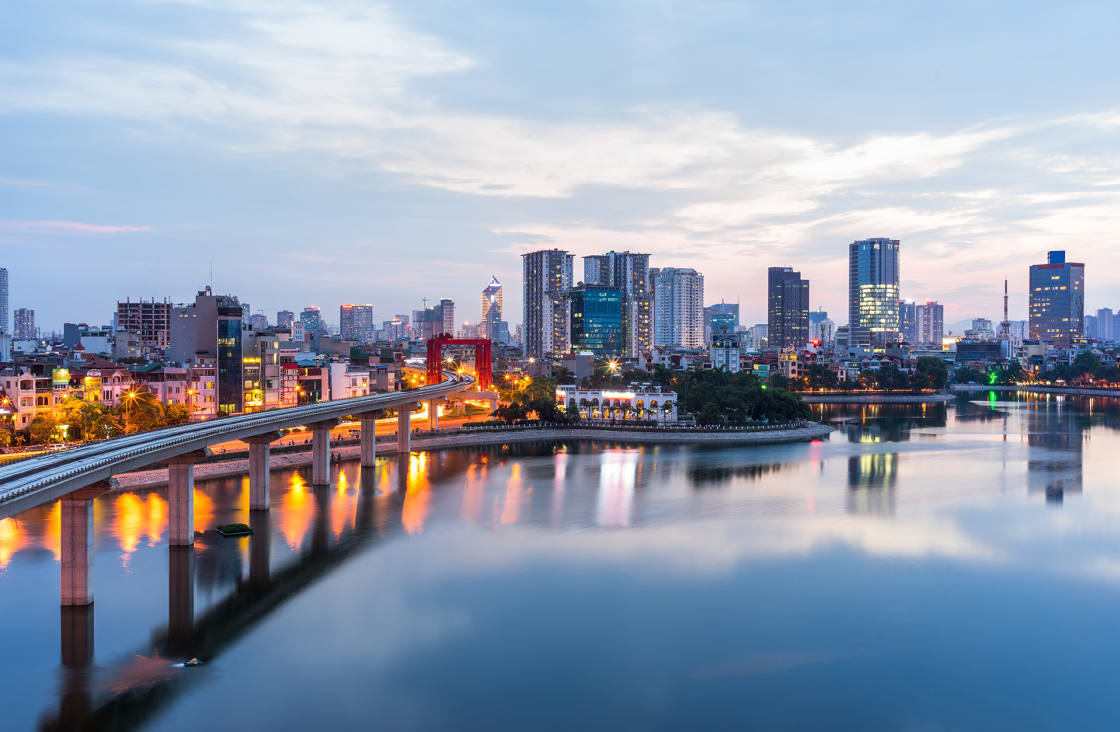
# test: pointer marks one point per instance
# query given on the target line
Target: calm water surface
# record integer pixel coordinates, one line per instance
(936, 567)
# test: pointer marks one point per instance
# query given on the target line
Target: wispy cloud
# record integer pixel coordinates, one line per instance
(68, 227)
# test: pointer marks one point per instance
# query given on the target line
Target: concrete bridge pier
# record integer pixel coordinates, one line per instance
(433, 414)
(260, 450)
(260, 549)
(180, 498)
(77, 545)
(368, 440)
(180, 599)
(321, 452)
(404, 428)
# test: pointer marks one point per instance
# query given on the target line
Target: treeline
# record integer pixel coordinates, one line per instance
(1085, 367)
(139, 411)
(723, 398)
(929, 372)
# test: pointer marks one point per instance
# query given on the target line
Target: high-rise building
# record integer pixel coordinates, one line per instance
(873, 275)
(148, 319)
(355, 322)
(258, 321)
(678, 307)
(1106, 324)
(1057, 300)
(25, 324)
(312, 318)
(929, 324)
(787, 308)
(547, 280)
(490, 324)
(4, 329)
(907, 321)
(447, 315)
(720, 319)
(596, 316)
(630, 273)
(981, 329)
(208, 333)
(822, 332)
(284, 319)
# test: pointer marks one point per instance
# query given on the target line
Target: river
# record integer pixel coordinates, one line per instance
(948, 566)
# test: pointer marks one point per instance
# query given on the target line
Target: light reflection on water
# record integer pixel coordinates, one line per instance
(921, 546)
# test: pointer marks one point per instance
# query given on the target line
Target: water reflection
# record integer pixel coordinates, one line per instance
(797, 499)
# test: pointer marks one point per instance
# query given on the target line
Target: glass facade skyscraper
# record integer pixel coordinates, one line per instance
(597, 320)
(873, 275)
(787, 308)
(1057, 300)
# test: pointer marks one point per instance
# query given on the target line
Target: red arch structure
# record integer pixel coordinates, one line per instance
(483, 363)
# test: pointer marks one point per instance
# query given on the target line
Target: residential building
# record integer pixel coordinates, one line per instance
(1057, 300)
(547, 280)
(596, 320)
(447, 315)
(787, 308)
(355, 323)
(490, 324)
(725, 350)
(208, 333)
(284, 319)
(929, 324)
(873, 276)
(1106, 324)
(981, 330)
(25, 324)
(678, 307)
(149, 319)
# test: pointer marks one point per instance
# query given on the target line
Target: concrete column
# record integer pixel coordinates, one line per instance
(180, 499)
(369, 439)
(260, 448)
(260, 549)
(77, 549)
(321, 452)
(404, 428)
(180, 599)
(433, 414)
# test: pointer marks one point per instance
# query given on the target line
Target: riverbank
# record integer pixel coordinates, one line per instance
(240, 466)
(1066, 390)
(841, 398)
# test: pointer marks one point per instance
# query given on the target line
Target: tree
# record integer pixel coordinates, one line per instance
(709, 414)
(42, 428)
(141, 411)
(969, 375)
(1085, 363)
(821, 377)
(176, 414)
(930, 372)
(5, 437)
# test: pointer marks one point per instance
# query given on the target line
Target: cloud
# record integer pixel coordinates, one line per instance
(68, 227)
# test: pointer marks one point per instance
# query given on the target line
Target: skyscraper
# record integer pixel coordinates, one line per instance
(447, 315)
(787, 308)
(907, 321)
(312, 318)
(1106, 324)
(873, 275)
(929, 324)
(355, 322)
(630, 273)
(547, 280)
(1057, 300)
(490, 324)
(24, 323)
(678, 307)
(4, 329)
(284, 319)
(596, 312)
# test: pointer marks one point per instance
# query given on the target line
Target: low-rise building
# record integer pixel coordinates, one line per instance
(634, 403)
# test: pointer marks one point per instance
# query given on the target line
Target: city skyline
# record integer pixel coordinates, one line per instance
(335, 152)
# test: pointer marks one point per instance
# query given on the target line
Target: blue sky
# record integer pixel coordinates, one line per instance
(380, 152)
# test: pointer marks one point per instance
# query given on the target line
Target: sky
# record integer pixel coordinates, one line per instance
(321, 153)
